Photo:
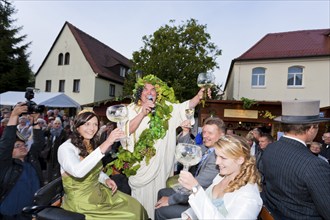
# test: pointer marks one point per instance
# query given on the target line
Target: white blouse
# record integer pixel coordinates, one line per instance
(69, 159)
(244, 203)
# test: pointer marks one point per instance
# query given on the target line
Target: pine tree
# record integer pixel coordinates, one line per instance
(15, 71)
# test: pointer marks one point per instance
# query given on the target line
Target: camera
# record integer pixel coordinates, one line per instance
(32, 106)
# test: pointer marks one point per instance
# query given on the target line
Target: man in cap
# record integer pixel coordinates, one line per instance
(297, 184)
(20, 173)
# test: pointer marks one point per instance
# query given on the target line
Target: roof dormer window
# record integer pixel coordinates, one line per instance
(122, 71)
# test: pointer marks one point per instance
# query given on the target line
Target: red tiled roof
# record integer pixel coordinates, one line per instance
(102, 59)
(305, 43)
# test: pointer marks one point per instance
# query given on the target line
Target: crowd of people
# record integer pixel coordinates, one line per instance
(235, 178)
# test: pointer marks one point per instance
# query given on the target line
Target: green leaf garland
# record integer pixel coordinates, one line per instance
(129, 162)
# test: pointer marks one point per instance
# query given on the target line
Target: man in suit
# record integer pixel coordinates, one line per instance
(170, 203)
(264, 140)
(325, 151)
(297, 184)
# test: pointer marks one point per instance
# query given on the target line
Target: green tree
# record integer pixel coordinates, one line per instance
(15, 71)
(176, 54)
(217, 92)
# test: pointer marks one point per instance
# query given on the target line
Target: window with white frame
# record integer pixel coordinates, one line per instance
(61, 85)
(112, 90)
(295, 76)
(48, 86)
(122, 71)
(76, 85)
(258, 77)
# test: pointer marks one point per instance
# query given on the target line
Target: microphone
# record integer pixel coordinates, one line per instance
(151, 99)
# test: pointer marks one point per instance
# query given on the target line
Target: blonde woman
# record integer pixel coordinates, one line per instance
(235, 192)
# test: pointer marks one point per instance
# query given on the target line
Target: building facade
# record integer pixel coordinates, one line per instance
(82, 67)
(283, 66)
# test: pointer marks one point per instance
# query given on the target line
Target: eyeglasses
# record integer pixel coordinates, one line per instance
(20, 145)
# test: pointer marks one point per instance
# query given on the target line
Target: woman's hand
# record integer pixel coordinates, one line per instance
(111, 184)
(187, 180)
(115, 135)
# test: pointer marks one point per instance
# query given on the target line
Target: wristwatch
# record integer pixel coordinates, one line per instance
(195, 189)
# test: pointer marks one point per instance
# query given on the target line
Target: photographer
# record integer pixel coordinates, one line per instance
(20, 173)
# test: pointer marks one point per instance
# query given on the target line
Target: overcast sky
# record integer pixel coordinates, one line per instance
(234, 26)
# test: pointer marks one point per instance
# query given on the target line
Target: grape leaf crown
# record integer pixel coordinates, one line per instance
(129, 162)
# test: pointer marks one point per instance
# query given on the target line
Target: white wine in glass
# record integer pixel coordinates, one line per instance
(117, 113)
(206, 85)
(188, 155)
(205, 80)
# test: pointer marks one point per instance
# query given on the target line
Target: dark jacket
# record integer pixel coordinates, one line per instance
(49, 153)
(10, 168)
(297, 184)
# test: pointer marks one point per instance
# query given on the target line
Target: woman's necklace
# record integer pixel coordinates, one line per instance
(89, 148)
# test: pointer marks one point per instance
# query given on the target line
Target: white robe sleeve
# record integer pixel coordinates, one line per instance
(69, 159)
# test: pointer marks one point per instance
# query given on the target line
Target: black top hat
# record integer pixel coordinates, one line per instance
(301, 112)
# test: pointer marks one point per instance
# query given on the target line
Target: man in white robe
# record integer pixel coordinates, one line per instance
(152, 177)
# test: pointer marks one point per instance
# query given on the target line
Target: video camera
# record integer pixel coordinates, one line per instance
(32, 106)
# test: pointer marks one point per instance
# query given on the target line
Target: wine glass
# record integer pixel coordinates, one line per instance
(190, 114)
(188, 155)
(205, 80)
(117, 113)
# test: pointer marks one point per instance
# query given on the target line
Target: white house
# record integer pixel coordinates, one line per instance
(82, 67)
(283, 66)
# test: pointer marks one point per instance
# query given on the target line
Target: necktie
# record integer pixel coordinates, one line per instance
(208, 152)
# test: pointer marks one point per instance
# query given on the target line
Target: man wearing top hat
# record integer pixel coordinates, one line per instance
(297, 184)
